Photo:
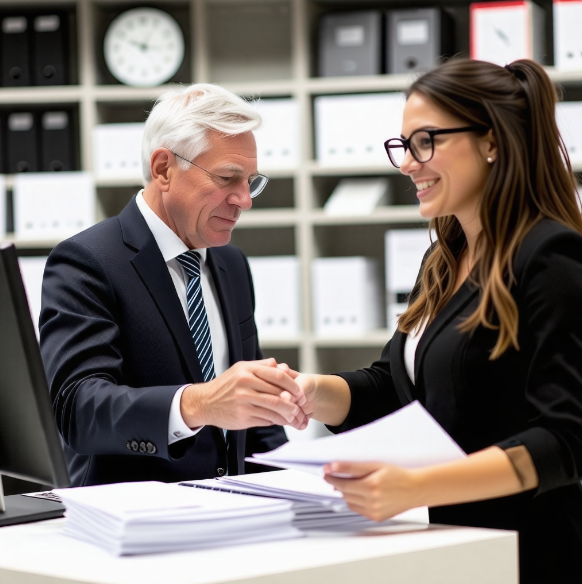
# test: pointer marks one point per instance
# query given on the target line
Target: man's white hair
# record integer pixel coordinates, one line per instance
(181, 118)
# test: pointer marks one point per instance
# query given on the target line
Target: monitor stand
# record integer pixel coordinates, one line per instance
(15, 509)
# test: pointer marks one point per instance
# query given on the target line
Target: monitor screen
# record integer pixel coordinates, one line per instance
(30, 445)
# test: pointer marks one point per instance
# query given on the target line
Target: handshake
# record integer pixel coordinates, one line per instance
(250, 394)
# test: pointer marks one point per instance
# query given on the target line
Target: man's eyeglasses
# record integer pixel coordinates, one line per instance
(256, 184)
(421, 144)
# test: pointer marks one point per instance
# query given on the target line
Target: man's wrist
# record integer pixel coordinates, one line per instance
(190, 407)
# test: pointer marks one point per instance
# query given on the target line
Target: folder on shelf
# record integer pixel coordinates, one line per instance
(276, 283)
(502, 32)
(15, 51)
(569, 120)
(278, 139)
(352, 129)
(417, 39)
(21, 142)
(567, 38)
(347, 296)
(49, 42)
(56, 141)
(405, 249)
(117, 151)
(357, 196)
(53, 205)
(32, 270)
(350, 43)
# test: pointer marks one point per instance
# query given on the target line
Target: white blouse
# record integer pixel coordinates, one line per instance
(410, 346)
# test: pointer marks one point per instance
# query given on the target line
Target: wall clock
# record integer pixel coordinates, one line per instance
(143, 47)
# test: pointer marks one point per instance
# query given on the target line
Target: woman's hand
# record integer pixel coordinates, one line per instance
(375, 490)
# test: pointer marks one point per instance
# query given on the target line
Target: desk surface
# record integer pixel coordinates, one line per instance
(37, 553)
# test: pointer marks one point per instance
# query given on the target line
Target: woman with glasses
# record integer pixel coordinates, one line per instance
(491, 342)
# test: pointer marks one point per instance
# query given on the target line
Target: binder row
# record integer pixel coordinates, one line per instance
(34, 49)
(38, 140)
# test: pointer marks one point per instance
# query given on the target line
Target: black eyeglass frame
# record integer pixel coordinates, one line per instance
(405, 142)
(217, 176)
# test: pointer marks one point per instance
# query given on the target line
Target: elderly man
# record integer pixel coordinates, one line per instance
(147, 329)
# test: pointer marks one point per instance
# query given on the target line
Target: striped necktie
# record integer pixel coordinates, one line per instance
(197, 319)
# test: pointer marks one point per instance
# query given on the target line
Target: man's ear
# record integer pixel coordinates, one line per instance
(489, 146)
(162, 163)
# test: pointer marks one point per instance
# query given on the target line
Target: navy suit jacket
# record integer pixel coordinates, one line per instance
(116, 347)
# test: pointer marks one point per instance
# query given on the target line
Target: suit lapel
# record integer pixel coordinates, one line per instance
(219, 272)
(153, 271)
(235, 439)
(466, 293)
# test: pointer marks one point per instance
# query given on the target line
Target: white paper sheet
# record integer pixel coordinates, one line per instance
(409, 437)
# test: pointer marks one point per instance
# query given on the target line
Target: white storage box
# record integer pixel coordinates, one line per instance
(117, 151)
(569, 120)
(278, 139)
(351, 129)
(567, 37)
(405, 249)
(347, 296)
(277, 307)
(53, 205)
(502, 32)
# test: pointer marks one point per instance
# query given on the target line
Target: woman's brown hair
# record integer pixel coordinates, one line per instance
(531, 179)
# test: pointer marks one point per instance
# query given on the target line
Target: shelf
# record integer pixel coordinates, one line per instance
(257, 49)
(373, 338)
(268, 218)
(317, 169)
(393, 214)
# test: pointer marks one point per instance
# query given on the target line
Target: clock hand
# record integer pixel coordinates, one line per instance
(142, 46)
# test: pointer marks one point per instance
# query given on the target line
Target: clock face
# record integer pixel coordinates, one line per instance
(143, 47)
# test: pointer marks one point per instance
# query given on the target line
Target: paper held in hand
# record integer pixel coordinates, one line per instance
(409, 437)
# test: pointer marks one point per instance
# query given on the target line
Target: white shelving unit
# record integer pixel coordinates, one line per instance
(256, 48)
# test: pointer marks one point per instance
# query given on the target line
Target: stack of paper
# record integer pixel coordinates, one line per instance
(316, 504)
(409, 437)
(149, 517)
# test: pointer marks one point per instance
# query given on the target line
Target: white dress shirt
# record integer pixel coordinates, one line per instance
(171, 247)
(410, 346)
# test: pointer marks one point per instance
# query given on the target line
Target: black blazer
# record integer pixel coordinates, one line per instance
(116, 347)
(532, 396)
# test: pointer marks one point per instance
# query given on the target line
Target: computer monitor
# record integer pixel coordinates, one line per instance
(30, 444)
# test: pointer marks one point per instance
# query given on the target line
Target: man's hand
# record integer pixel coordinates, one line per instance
(249, 394)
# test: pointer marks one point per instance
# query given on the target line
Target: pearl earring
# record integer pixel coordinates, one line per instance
(490, 160)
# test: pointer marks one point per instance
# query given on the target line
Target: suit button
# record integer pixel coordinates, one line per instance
(128, 445)
(151, 448)
(142, 447)
(220, 472)
(134, 446)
